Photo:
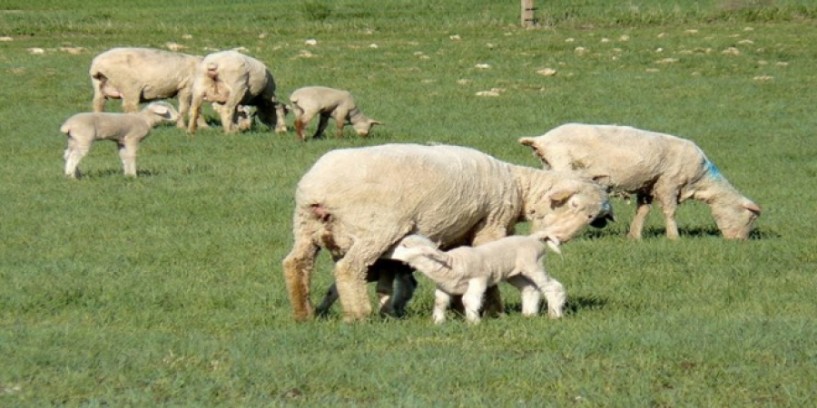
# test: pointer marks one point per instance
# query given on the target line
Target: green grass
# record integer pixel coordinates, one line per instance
(167, 289)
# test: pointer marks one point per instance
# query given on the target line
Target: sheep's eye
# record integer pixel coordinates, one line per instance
(590, 216)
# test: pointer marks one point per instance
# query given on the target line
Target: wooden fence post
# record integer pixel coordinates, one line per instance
(528, 20)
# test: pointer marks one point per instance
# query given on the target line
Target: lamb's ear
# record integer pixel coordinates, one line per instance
(160, 109)
(437, 256)
(376, 122)
(559, 196)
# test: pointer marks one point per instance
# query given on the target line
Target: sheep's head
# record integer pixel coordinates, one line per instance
(569, 206)
(737, 219)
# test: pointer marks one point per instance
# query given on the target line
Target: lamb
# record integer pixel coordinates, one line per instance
(328, 102)
(138, 75)
(653, 166)
(468, 271)
(126, 129)
(359, 202)
(230, 79)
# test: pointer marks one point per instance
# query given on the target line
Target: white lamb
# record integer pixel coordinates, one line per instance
(469, 271)
(231, 79)
(126, 129)
(328, 102)
(138, 75)
(650, 165)
(358, 203)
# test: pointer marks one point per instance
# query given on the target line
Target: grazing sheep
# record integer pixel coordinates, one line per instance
(230, 79)
(469, 271)
(327, 102)
(126, 129)
(359, 202)
(138, 75)
(650, 165)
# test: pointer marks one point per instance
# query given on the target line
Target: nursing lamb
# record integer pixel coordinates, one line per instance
(650, 165)
(138, 75)
(126, 129)
(359, 202)
(469, 271)
(230, 79)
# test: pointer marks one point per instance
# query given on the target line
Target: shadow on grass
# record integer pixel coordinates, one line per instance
(575, 305)
(694, 232)
(107, 173)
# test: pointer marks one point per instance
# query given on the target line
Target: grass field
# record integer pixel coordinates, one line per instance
(167, 289)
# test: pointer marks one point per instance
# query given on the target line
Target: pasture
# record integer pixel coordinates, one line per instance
(167, 289)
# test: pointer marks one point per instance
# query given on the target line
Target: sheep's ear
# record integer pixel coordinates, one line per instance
(531, 142)
(376, 122)
(160, 109)
(751, 206)
(601, 179)
(437, 256)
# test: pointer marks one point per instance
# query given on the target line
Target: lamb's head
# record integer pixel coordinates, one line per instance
(363, 127)
(735, 219)
(414, 247)
(570, 205)
(159, 112)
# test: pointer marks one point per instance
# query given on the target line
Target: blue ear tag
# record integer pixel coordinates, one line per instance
(713, 170)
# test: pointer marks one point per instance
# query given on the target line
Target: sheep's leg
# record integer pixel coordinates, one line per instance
(302, 118)
(472, 299)
(127, 153)
(553, 291)
(99, 96)
(185, 99)
(228, 111)
(73, 154)
(668, 200)
(350, 276)
(643, 203)
(298, 266)
(441, 302)
(322, 122)
(195, 112)
(280, 116)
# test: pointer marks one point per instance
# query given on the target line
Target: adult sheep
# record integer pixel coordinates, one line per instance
(230, 79)
(138, 75)
(359, 202)
(650, 165)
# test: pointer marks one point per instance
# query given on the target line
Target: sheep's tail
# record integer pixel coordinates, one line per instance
(65, 128)
(552, 242)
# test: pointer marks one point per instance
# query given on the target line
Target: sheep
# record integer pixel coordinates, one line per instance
(138, 75)
(230, 79)
(126, 129)
(468, 271)
(328, 102)
(358, 202)
(651, 165)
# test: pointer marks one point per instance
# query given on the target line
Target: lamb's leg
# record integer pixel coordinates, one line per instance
(127, 153)
(280, 116)
(329, 299)
(643, 203)
(404, 288)
(322, 122)
(472, 299)
(73, 154)
(195, 114)
(531, 297)
(493, 305)
(298, 266)
(441, 302)
(553, 291)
